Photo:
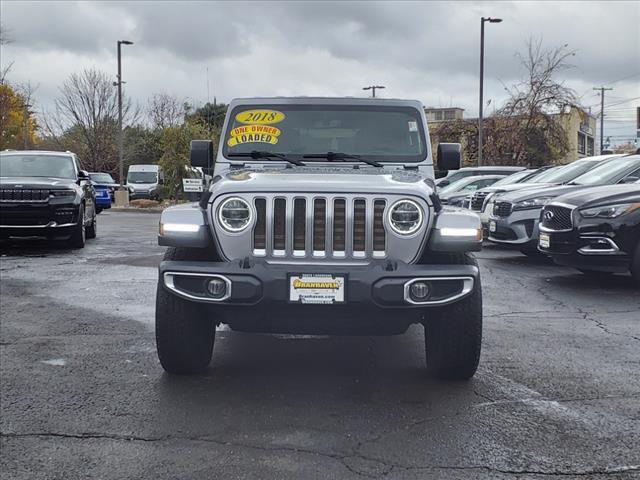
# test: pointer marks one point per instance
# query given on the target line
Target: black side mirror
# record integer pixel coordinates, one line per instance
(83, 175)
(202, 153)
(449, 156)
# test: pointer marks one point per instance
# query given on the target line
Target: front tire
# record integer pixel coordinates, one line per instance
(635, 265)
(92, 228)
(78, 235)
(184, 334)
(453, 336)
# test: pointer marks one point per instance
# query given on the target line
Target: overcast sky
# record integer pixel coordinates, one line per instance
(428, 51)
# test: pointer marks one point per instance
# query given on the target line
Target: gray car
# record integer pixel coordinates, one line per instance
(515, 216)
(322, 218)
(455, 193)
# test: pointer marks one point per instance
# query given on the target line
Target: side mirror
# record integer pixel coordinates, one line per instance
(83, 175)
(201, 153)
(449, 156)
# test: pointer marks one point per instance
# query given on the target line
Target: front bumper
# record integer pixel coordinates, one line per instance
(519, 229)
(142, 194)
(41, 219)
(376, 298)
(593, 251)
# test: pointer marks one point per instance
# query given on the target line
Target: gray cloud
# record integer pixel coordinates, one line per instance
(424, 50)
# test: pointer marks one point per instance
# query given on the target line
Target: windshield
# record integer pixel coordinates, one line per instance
(609, 172)
(142, 177)
(515, 178)
(33, 165)
(566, 173)
(379, 133)
(102, 178)
(461, 184)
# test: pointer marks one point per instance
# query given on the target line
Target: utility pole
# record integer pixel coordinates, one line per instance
(480, 106)
(602, 90)
(26, 125)
(373, 89)
(122, 196)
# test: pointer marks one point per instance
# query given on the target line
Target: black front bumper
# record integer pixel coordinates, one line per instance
(374, 295)
(38, 219)
(596, 251)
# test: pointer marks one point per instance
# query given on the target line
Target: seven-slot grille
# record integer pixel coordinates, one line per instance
(502, 209)
(23, 195)
(556, 217)
(477, 201)
(319, 227)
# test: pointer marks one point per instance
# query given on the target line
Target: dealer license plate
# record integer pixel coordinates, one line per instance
(316, 288)
(544, 241)
(492, 226)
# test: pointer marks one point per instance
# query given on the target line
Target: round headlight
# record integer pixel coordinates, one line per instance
(234, 214)
(405, 217)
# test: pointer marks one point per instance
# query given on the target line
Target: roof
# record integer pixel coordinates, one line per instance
(36, 152)
(326, 101)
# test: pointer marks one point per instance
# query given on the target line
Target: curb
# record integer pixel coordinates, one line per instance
(135, 210)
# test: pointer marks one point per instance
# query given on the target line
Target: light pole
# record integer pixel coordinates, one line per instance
(480, 121)
(120, 133)
(374, 88)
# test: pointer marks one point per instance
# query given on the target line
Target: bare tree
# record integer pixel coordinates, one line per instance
(87, 112)
(165, 111)
(525, 128)
(4, 40)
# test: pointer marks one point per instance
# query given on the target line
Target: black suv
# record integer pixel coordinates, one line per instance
(46, 194)
(596, 230)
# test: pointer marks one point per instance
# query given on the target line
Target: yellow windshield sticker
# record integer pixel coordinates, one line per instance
(260, 117)
(253, 134)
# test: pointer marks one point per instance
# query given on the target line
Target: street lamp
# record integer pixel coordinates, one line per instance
(373, 88)
(120, 133)
(480, 121)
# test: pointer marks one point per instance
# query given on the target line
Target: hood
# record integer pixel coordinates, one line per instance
(514, 187)
(37, 183)
(603, 195)
(541, 191)
(323, 179)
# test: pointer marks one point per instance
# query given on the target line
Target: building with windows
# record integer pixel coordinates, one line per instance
(443, 114)
(581, 133)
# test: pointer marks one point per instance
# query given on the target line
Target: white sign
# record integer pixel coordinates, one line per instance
(316, 288)
(191, 185)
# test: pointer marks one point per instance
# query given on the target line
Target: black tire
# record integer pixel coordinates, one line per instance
(635, 265)
(78, 235)
(184, 333)
(92, 228)
(98, 210)
(453, 335)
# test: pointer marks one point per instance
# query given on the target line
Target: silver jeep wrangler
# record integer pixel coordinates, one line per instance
(322, 217)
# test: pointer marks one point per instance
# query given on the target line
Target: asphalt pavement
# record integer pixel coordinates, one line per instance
(83, 396)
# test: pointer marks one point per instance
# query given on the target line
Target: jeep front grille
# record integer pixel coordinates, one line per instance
(320, 227)
(24, 195)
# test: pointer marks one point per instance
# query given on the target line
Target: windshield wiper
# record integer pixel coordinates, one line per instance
(332, 156)
(255, 154)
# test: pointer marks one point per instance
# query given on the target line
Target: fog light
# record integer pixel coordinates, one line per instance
(420, 291)
(217, 287)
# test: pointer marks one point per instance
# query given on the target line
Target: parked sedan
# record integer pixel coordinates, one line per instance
(514, 219)
(455, 193)
(454, 176)
(595, 230)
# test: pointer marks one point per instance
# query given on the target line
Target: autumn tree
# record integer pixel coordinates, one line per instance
(17, 123)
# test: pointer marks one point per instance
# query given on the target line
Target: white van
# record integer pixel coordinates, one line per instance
(143, 181)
